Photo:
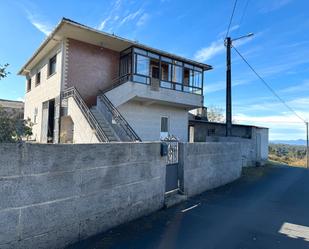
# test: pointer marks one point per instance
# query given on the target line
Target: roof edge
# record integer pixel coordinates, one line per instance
(69, 21)
(43, 44)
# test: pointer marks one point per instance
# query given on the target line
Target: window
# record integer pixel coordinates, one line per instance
(142, 65)
(154, 68)
(125, 65)
(197, 80)
(38, 78)
(177, 74)
(52, 65)
(28, 84)
(164, 124)
(166, 69)
(192, 80)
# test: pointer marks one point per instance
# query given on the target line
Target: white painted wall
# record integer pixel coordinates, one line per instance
(263, 142)
(130, 90)
(145, 119)
(82, 133)
(49, 88)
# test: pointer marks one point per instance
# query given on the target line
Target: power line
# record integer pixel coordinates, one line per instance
(231, 18)
(268, 86)
(244, 12)
(242, 16)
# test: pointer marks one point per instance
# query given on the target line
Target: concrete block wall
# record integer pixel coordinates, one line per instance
(205, 166)
(247, 147)
(53, 195)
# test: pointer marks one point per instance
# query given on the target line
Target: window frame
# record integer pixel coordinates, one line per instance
(52, 59)
(191, 87)
(38, 78)
(29, 84)
(167, 124)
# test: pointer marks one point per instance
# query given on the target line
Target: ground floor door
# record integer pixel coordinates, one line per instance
(48, 121)
(172, 165)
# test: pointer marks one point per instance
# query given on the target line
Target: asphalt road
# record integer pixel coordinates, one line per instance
(267, 208)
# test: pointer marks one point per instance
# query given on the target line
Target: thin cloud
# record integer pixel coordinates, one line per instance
(300, 104)
(223, 33)
(131, 16)
(280, 126)
(297, 88)
(142, 20)
(273, 5)
(206, 53)
(116, 18)
(221, 85)
(103, 23)
(217, 47)
(42, 26)
(112, 17)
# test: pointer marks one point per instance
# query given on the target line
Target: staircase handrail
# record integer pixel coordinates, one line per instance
(119, 118)
(73, 92)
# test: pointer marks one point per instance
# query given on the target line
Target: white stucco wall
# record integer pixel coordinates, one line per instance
(262, 142)
(49, 88)
(130, 90)
(82, 133)
(145, 119)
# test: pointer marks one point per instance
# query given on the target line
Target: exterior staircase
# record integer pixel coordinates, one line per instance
(104, 118)
(107, 129)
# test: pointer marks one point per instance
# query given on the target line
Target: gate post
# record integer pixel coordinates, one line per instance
(181, 155)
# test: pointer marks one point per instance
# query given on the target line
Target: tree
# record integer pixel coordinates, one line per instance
(12, 128)
(3, 71)
(215, 114)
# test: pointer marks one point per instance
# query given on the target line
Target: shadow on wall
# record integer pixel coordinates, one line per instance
(55, 194)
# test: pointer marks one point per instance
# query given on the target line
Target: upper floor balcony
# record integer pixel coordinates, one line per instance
(146, 67)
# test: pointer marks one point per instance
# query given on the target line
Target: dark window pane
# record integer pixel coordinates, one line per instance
(186, 76)
(52, 65)
(38, 78)
(29, 84)
(154, 68)
(125, 65)
(166, 69)
(164, 124)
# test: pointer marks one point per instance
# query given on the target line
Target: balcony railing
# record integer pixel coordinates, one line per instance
(148, 81)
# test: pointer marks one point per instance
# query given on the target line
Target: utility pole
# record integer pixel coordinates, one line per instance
(307, 154)
(228, 43)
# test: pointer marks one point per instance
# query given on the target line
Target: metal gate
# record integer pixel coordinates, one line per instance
(171, 180)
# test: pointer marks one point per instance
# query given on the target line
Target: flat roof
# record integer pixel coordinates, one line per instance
(216, 123)
(67, 28)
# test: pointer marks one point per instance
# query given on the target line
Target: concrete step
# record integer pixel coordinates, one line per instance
(108, 131)
(174, 198)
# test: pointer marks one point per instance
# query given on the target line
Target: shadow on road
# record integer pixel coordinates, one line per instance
(266, 208)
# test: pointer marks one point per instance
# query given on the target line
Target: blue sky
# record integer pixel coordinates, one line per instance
(194, 29)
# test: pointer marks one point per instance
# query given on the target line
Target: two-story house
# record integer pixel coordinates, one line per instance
(87, 86)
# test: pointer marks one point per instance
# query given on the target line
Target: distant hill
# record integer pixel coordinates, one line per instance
(290, 142)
